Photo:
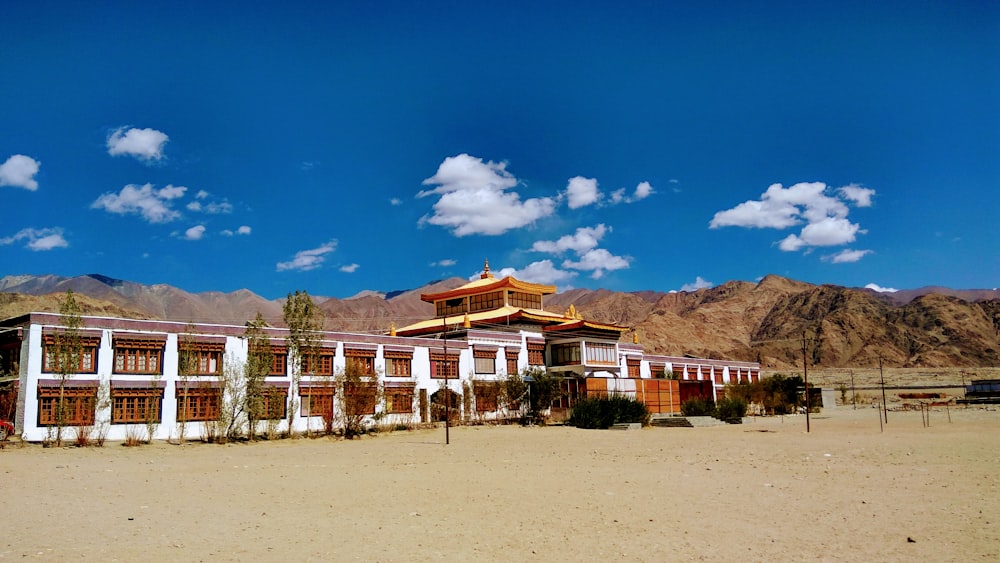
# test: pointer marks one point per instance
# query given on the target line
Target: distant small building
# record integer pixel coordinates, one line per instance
(129, 372)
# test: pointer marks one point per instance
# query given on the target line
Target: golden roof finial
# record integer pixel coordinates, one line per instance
(635, 338)
(392, 329)
(486, 270)
(571, 312)
(467, 323)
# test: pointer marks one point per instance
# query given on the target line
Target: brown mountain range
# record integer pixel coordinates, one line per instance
(767, 321)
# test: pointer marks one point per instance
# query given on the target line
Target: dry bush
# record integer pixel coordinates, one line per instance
(133, 437)
(84, 436)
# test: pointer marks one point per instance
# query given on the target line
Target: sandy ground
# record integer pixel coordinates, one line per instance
(765, 490)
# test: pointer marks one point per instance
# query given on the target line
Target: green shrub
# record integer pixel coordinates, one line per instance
(603, 412)
(698, 406)
(729, 409)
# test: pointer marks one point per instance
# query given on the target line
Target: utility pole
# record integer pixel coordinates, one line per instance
(447, 392)
(881, 376)
(805, 374)
(854, 395)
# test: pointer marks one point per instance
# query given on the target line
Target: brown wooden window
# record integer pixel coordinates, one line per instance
(450, 306)
(602, 353)
(633, 368)
(279, 357)
(317, 401)
(571, 390)
(485, 359)
(135, 405)
(133, 355)
(399, 400)
(566, 354)
(444, 366)
(273, 402)
(717, 374)
(536, 353)
(525, 300)
(198, 403)
(486, 301)
(53, 345)
(360, 361)
(398, 363)
(486, 393)
(754, 375)
(319, 364)
(678, 372)
(359, 398)
(78, 404)
(511, 355)
(657, 371)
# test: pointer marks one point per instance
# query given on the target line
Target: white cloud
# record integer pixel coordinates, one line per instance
(585, 238)
(880, 289)
(642, 191)
(19, 171)
(581, 191)
(144, 144)
(597, 261)
(862, 197)
(446, 263)
(243, 230)
(543, 271)
(153, 205)
(474, 198)
(38, 239)
(825, 217)
(306, 260)
(350, 268)
(698, 283)
(826, 232)
(195, 233)
(394, 201)
(846, 256)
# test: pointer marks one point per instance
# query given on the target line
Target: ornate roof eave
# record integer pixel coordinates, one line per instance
(580, 324)
(477, 287)
(480, 320)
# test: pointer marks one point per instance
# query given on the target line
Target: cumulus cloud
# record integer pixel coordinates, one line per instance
(195, 233)
(143, 144)
(37, 239)
(19, 171)
(581, 191)
(350, 268)
(152, 204)
(862, 197)
(846, 256)
(642, 191)
(824, 216)
(585, 238)
(306, 260)
(597, 262)
(880, 289)
(698, 283)
(395, 201)
(243, 230)
(474, 198)
(543, 271)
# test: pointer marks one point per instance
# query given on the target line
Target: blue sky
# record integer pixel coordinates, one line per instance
(338, 147)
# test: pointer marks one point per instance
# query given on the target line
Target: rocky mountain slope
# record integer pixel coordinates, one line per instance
(765, 321)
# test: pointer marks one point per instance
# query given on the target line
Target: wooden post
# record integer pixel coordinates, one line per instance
(805, 373)
(885, 409)
(447, 392)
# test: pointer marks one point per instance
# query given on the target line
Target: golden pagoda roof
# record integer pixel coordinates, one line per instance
(486, 283)
(502, 316)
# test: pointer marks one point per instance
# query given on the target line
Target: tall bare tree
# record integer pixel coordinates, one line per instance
(68, 353)
(304, 321)
(260, 361)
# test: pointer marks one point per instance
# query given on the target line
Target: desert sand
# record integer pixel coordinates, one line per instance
(761, 491)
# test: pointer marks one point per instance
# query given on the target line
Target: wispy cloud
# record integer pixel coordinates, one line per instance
(825, 216)
(446, 263)
(143, 144)
(846, 256)
(38, 239)
(880, 289)
(243, 230)
(349, 268)
(395, 201)
(152, 204)
(475, 198)
(306, 260)
(19, 171)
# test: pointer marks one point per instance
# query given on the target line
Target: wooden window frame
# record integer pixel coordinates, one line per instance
(399, 399)
(279, 362)
(632, 366)
(316, 400)
(524, 300)
(80, 402)
(199, 404)
(601, 354)
(324, 360)
(136, 405)
(442, 365)
(89, 346)
(487, 395)
(359, 398)
(536, 353)
(486, 301)
(565, 354)
(131, 353)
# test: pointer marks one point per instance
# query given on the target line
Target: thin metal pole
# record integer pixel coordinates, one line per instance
(881, 376)
(854, 395)
(805, 373)
(447, 392)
